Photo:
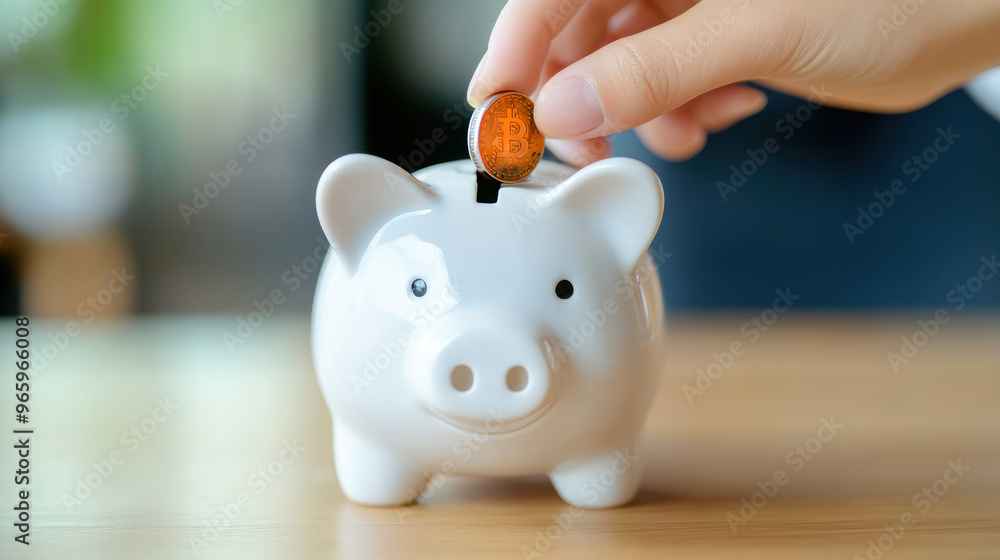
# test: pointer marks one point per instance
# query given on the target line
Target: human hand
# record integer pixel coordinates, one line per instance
(672, 68)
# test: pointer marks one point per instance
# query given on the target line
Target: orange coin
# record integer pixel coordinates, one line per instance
(503, 139)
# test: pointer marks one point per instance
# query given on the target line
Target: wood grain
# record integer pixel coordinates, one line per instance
(237, 411)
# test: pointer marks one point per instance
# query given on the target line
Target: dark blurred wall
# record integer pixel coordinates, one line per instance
(786, 225)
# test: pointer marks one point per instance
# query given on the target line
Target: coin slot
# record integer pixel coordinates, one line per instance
(487, 188)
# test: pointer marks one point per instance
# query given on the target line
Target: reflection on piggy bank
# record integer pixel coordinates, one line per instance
(456, 337)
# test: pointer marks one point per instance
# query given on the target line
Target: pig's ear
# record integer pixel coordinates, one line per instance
(621, 198)
(357, 195)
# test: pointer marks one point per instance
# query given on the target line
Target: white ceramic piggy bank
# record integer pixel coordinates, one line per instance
(456, 337)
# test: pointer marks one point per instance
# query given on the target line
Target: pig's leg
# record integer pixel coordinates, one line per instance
(603, 481)
(372, 474)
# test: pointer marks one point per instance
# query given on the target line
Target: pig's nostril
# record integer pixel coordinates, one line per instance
(517, 378)
(461, 378)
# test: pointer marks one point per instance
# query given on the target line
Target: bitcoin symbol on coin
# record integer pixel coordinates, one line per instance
(503, 139)
(513, 135)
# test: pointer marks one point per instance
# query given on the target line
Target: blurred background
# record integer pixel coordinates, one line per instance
(162, 158)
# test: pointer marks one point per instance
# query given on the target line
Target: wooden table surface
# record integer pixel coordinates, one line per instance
(242, 439)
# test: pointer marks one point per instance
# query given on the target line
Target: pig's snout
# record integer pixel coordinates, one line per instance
(496, 378)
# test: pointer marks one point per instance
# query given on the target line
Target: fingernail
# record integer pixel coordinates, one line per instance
(673, 136)
(676, 130)
(579, 153)
(743, 106)
(568, 108)
(472, 95)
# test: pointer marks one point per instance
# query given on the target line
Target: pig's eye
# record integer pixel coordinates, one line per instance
(564, 289)
(419, 287)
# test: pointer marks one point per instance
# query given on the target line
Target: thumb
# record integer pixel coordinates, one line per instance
(637, 78)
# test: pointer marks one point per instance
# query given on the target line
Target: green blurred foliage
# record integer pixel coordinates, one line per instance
(89, 55)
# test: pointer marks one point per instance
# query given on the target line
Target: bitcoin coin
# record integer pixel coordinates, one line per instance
(503, 139)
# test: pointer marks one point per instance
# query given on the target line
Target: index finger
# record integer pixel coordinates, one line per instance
(519, 46)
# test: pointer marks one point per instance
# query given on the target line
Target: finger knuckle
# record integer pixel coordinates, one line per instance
(646, 70)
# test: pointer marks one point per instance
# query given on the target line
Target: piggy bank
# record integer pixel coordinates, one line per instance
(522, 336)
